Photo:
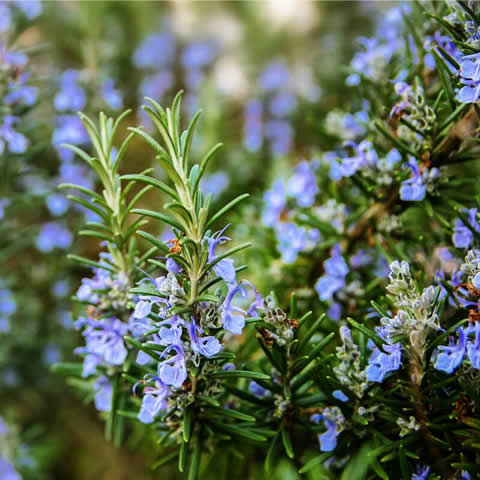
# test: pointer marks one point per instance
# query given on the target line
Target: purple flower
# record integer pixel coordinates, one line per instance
(302, 185)
(70, 130)
(282, 104)
(57, 204)
(71, 96)
(197, 55)
(339, 395)
(156, 51)
(225, 268)
(422, 473)
(173, 266)
(7, 471)
(413, 189)
(336, 270)
(450, 357)
(103, 394)
(291, 240)
(462, 234)
(154, 400)
(473, 347)
(470, 76)
(156, 85)
(280, 134)
(173, 370)
(207, 346)
(380, 363)
(257, 390)
(364, 156)
(53, 235)
(275, 202)
(112, 95)
(232, 317)
(252, 136)
(216, 183)
(274, 76)
(332, 420)
(16, 142)
(104, 343)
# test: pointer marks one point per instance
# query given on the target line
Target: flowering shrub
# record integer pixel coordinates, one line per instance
(328, 327)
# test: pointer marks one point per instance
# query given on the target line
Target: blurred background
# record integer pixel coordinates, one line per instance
(265, 74)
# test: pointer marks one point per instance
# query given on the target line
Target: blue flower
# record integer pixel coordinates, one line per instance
(53, 235)
(333, 421)
(280, 134)
(422, 473)
(257, 390)
(156, 51)
(7, 471)
(57, 204)
(71, 96)
(462, 234)
(103, 394)
(70, 129)
(413, 189)
(197, 55)
(112, 95)
(104, 343)
(339, 395)
(216, 183)
(473, 347)
(302, 185)
(232, 317)
(207, 346)
(154, 400)
(380, 363)
(274, 76)
(450, 357)
(292, 239)
(16, 142)
(173, 370)
(225, 268)
(336, 270)
(283, 104)
(470, 76)
(252, 135)
(275, 203)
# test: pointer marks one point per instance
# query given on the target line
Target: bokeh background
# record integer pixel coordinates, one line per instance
(265, 74)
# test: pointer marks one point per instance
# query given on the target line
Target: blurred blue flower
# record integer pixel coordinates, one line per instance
(291, 240)
(303, 185)
(197, 55)
(53, 235)
(156, 51)
(336, 270)
(9, 137)
(103, 394)
(252, 136)
(275, 203)
(57, 204)
(462, 234)
(283, 103)
(71, 95)
(215, 183)
(257, 390)
(112, 95)
(274, 76)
